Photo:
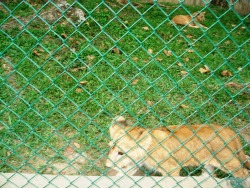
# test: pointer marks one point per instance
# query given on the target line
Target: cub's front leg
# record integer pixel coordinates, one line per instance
(128, 170)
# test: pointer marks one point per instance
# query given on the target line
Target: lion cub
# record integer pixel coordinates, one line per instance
(167, 149)
(187, 19)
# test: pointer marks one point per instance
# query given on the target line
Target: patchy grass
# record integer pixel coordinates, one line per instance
(62, 82)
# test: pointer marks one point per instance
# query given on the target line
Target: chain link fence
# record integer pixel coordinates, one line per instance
(68, 68)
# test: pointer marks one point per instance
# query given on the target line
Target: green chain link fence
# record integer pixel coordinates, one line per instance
(69, 67)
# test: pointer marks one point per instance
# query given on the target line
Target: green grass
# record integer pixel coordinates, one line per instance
(44, 107)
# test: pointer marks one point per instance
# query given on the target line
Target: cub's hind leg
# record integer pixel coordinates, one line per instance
(232, 166)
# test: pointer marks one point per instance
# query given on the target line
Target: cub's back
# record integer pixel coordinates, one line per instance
(181, 19)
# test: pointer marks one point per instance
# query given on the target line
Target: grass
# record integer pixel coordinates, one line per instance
(44, 108)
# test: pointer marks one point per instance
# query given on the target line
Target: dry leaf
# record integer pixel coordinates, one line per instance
(234, 85)
(187, 59)
(240, 69)
(226, 73)
(150, 50)
(36, 53)
(145, 28)
(83, 82)
(204, 70)
(190, 51)
(126, 22)
(158, 59)
(227, 42)
(78, 90)
(189, 36)
(76, 69)
(167, 52)
(184, 73)
(90, 57)
(179, 64)
(135, 58)
(184, 106)
(87, 23)
(64, 35)
(8, 153)
(149, 103)
(116, 50)
(135, 81)
(77, 145)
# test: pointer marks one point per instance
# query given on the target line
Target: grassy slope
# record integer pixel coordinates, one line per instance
(44, 108)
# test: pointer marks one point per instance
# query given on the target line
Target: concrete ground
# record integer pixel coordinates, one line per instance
(10, 180)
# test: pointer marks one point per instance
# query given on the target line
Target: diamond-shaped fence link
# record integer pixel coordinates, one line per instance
(69, 68)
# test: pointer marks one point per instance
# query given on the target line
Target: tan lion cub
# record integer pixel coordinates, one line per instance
(168, 149)
(187, 20)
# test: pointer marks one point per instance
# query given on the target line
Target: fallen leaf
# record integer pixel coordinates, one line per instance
(179, 64)
(204, 70)
(78, 90)
(226, 73)
(145, 28)
(87, 23)
(187, 59)
(126, 22)
(158, 59)
(76, 69)
(116, 50)
(77, 145)
(233, 25)
(36, 53)
(8, 153)
(64, 35)
(135, 58)
(189, 36)
(90, 57)
(184, 106)
(83, 82)
(135, 81)
(227, 42)
(233, 84)
(240, 69)
(150, 50)
(190, 51)
(184, 73)
(167, 52)
(149, 103)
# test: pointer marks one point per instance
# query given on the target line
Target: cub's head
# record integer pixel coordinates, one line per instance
(200, 17)
(127, 145)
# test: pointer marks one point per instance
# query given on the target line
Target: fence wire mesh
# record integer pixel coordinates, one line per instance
(68, 68)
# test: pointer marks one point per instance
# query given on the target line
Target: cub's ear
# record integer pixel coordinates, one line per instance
(117, 127)
(120, 120)
(196, 14)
